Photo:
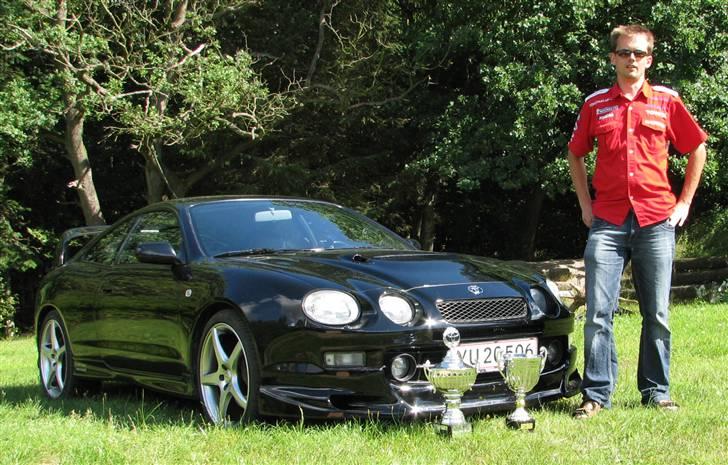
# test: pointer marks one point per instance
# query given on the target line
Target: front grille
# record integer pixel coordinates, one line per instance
(479, 310)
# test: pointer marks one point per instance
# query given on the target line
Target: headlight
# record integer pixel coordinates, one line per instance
(545, 304)
(396, 308)
(331, 307)
(554, 288)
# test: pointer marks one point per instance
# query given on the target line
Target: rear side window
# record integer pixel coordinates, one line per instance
(105, 249)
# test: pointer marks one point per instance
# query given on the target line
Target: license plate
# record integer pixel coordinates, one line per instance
(484, 355)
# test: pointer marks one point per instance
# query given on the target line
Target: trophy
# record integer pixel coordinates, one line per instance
(452, 377)
(521, 373)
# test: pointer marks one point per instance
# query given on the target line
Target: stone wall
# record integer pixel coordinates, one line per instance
(693, 278)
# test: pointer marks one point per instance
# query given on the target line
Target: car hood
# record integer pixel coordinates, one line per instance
(404, 270)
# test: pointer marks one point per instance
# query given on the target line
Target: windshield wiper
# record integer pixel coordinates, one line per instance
(242, 253)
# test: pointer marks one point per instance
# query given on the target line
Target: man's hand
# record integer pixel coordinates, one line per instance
(587, 216)
(679, 214)
(696, 161)
(577, 169)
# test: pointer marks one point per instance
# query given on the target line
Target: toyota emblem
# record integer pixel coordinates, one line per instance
(475, 290)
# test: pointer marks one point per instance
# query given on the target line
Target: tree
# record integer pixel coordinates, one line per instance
(24, 113)
(157, 69)
(46, 27)
(179, 88)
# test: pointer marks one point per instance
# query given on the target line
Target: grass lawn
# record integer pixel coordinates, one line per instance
(126, 425)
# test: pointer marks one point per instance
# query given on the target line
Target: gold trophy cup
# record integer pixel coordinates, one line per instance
(521, 373)
(451, 377)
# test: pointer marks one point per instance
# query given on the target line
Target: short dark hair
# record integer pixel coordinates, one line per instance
(631, 30)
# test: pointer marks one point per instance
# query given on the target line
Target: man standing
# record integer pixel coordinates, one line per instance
(633, 215)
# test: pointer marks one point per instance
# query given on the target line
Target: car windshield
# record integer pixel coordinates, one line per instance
(248, 227)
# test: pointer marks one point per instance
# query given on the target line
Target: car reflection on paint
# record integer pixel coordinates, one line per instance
(281, 306)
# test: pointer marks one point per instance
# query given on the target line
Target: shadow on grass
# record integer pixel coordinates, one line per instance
(131, 406)
(125, 404)
(561, 406)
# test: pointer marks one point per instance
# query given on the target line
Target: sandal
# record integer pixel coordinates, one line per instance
(587, 409)
(666, 405)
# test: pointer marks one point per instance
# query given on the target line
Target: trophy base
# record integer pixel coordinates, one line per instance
(453, 431)
(527, 425)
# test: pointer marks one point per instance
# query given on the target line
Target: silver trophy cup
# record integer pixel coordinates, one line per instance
(451, 377)
(521, 373)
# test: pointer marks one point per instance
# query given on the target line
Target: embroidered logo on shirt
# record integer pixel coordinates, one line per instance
(607, 116)
(651, 122)
(597, 102)
(661, 114)
(601, 111)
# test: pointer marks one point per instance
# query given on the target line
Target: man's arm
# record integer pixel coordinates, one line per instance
(577, 168)
(694, 170)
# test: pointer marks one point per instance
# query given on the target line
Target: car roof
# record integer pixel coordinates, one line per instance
(189, 201)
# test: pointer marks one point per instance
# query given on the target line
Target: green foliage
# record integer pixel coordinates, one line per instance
(517, 99)
(213, 92)
(692, 56)
(26, 103)
(705, 236)
(21, 249)
(8, 302)
(24, 111)
(447, 115)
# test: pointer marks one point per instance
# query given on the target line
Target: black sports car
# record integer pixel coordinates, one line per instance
(277, 306)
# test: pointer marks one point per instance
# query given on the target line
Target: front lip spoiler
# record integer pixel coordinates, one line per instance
(320, 406)
(415, 399)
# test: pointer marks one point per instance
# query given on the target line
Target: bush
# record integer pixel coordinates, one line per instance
(8, 303)
(707, 237)
(22, 248)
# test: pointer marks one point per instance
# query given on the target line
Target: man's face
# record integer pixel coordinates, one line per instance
(630, 60)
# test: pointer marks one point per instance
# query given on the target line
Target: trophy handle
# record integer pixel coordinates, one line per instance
(501, 364)
(426, 368)
(543, 353)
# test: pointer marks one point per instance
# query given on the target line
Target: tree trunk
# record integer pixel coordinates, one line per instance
(75, 147)
(529, 227)
(427, 223)
(78, 155)
(155, 183)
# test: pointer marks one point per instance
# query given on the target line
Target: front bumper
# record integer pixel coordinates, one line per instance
(412, 399)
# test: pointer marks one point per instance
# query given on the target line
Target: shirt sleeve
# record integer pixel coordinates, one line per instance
(683, 131)
(581, 142)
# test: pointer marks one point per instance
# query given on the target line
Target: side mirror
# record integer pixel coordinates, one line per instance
(159, 253)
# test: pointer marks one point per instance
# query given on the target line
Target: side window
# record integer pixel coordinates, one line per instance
(152, 227)
(105, 249)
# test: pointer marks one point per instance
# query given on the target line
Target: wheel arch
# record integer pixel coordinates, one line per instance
(204, 316)
(41, 315)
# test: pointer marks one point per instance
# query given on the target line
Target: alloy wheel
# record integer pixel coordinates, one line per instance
(52, 362)
(223, 374)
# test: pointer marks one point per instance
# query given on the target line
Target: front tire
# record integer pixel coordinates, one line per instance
(55, 359)
(227, 372)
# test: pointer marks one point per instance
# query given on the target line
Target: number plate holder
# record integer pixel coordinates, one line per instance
(482, 355)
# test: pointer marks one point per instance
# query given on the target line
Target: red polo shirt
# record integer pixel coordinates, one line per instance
(632, 150)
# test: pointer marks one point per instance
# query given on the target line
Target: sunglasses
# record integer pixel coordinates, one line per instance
(625, 53)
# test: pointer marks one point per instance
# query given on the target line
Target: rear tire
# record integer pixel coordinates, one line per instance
(227, 370)
(55, 359)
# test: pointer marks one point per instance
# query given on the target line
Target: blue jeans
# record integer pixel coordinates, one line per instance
(608, 250)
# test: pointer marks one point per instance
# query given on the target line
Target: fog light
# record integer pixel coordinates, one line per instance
(344, 359)
(403, 367)
(555, 352)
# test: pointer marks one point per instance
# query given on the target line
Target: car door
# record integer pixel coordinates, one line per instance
(138, 314)
(76, 294)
